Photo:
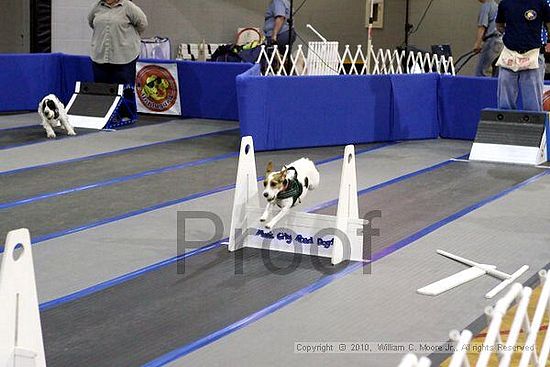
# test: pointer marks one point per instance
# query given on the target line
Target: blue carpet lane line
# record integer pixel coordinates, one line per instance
(101, 222)
(183, 351)
(113, 282)
(117, 180)
(13, 204)
(124, 278)
(124, 150)
(391, 182)
(46, 140)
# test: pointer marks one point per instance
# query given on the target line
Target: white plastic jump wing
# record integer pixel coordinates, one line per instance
(21, 342)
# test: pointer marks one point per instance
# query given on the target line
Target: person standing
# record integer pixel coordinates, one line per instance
(116, 42)
(489, 40)
(521, 22)
(276, 27)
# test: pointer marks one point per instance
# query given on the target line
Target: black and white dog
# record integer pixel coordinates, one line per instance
(288, 187)
(53, 114)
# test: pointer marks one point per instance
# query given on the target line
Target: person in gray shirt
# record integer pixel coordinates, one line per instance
(489, 40)
(276, 27)
(116, 42)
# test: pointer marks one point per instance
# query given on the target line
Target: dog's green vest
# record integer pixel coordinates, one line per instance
(294, 189)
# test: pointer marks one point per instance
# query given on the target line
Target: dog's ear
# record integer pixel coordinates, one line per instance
(44, 105)
(284, 171)
(269, 167)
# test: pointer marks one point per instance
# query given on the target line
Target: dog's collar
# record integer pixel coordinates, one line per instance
(293, 190)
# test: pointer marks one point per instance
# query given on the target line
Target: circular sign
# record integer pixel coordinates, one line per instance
(156, 88)
(530, 15)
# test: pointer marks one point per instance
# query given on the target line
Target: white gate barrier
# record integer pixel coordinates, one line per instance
(521, 322)
(21, 342)
(323, 58)
(337, 237)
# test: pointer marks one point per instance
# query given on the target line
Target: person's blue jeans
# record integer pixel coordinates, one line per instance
(488, 55)
(529, 82)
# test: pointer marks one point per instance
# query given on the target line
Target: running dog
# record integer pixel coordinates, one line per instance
(288, 187)
(53, 114)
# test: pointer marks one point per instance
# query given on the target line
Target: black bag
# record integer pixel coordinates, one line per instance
(226, 53)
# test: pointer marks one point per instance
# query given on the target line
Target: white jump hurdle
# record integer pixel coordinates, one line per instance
(21, 342)
(337, 237)
(474, 271)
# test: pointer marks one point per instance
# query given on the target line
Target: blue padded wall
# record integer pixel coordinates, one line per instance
(313, 111)
(74, 69)
(461, 100)
(414, 107)
(295, 112)
(27, 78)
(207, 90)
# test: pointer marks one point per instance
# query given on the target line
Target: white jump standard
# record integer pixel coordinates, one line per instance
(21, 343)
(337, 237)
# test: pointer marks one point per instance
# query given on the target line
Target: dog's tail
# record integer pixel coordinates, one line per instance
(313, 178)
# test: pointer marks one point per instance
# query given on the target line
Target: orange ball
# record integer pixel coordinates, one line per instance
(546, 100)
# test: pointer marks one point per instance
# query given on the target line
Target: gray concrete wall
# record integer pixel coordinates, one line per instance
(15, 26)
(447, 22)
(215, 21)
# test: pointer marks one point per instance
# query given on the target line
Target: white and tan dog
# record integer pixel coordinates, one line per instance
(53, 114)
(288, 187)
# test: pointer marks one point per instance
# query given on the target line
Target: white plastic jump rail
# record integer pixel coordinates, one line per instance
(474, 271)
(323, 58)
(21, 343)
(337, 237)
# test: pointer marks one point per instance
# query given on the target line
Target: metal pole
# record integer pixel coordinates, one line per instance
(290, 27)
(407, 25)
(288, 62)
(369, 39)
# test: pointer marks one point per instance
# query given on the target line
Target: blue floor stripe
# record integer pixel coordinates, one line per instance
(101, 222)
(124, 278)
(393, 181)
(119, 151)
(132, 275)
(122, 179)
(117, 180)
(183, 351)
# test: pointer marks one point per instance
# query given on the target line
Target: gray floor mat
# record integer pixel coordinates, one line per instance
(177, 313)
(137, 321)
(451, 188)
(11, 138)
(24, 135)
(63, 176)
(84, 207)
